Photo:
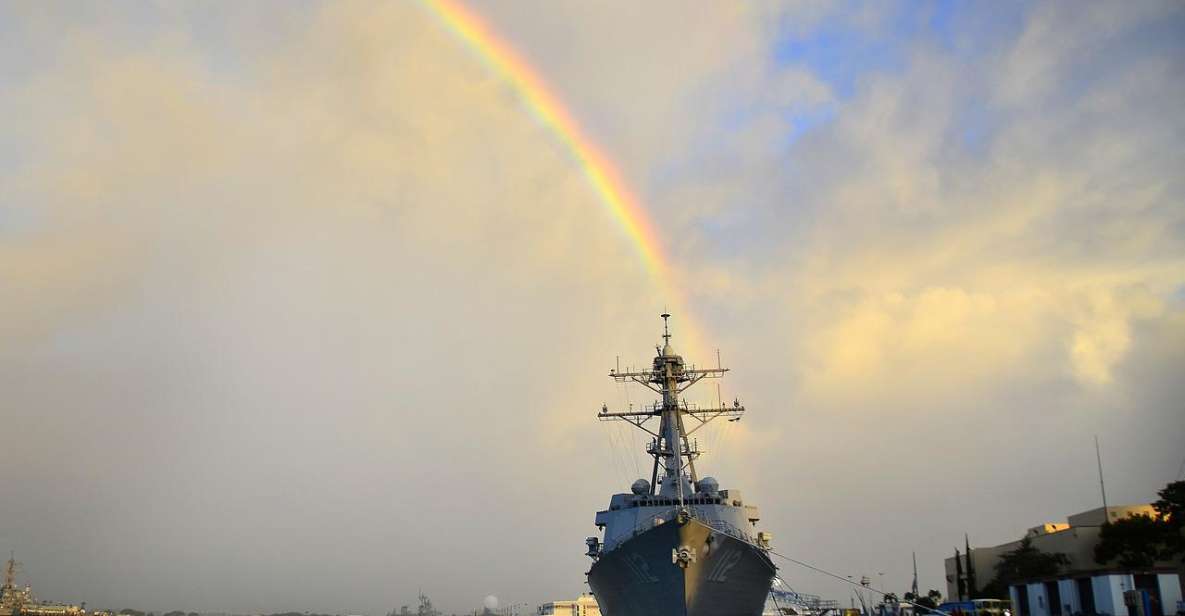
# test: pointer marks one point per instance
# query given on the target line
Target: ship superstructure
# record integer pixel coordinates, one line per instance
(677, 545)
(17, 601)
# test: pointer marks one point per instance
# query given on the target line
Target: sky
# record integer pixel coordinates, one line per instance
(301, 307)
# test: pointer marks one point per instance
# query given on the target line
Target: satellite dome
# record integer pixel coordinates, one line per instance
(641, 487)
(490, 602)
(708, 485)
(667, 350)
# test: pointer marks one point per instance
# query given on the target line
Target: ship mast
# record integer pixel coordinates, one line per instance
(670, 445)
(10, 572)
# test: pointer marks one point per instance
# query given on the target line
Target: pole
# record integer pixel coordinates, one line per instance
(1102, 486)
(915, 576)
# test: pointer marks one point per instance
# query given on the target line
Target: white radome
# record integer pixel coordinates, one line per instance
(490, 602)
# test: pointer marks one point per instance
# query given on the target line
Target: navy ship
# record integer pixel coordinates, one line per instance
(677, 545)
(17, 601)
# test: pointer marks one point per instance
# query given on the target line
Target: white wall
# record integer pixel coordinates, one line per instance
(1108, 593)
(1069, 595)
(1170, 591)
(1038, 602)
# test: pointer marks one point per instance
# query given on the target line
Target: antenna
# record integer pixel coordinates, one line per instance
(915, 575)
(671, 445)
(1102, 486)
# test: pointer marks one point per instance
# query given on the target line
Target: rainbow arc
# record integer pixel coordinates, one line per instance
(602, 175)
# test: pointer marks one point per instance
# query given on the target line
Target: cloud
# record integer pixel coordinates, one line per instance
(322, 297)
(314, 291)
(969, 261)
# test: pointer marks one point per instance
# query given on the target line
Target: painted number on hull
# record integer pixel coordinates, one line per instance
(640, 568)
(723, 565)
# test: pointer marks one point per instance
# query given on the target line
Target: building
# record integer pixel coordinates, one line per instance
(1083, 586)
(585, 605)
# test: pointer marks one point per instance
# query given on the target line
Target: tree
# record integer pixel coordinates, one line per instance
(972, 587)
(1171, 508)
(960, 581)
(1026, 563)
(1140, 541)
(994, 589)
(889, 603)
(930, 601)
(1135, 542)
(1171, 505)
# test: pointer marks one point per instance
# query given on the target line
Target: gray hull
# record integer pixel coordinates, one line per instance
(728, 577)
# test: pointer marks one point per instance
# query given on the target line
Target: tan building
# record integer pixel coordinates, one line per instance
(1084, 586)
(585, 605)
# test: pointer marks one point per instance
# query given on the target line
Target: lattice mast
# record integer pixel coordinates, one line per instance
(671, 446)
(10, 572)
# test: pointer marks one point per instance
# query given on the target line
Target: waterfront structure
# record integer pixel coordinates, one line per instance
(678, 545)
(1082, 586)
(16, 601)
(786, 602)
(584, 605)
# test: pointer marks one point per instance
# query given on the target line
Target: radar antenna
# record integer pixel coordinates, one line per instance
(670, 446)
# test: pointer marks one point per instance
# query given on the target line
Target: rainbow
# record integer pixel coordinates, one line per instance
(547, 108)
(605, 180)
